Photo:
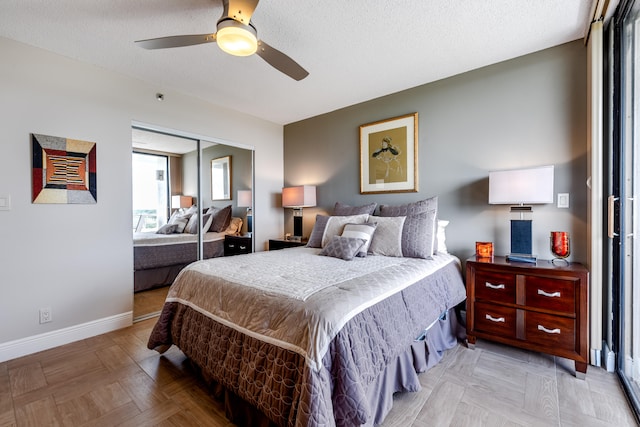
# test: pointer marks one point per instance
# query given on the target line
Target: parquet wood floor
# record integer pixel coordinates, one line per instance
(113, 379)
(148, 303)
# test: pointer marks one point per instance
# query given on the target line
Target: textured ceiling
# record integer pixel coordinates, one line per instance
(354, 50)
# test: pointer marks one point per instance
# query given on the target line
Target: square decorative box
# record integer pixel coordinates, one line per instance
(484, 249)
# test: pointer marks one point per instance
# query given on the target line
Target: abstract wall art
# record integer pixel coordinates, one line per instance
(63, 170)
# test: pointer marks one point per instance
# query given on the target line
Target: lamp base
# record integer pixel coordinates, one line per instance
(297, 223)
(531, 259)
(521, 236)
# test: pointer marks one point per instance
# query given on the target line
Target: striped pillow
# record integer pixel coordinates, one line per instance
(361, 231)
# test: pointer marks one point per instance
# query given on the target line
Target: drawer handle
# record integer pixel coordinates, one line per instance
(243, 247)
(494, 319)
(492, 286)
(549, 331)
(547, 294)
(231, 245)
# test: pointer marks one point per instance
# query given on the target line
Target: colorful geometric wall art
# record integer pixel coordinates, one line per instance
(63, 170)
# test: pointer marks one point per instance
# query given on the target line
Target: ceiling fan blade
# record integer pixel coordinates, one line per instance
(280, 61)
(176, 41)
(240, 10)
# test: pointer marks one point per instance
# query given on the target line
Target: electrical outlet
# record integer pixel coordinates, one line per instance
(46, 315)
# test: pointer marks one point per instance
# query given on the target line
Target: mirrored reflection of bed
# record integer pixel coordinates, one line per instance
(325, 334)
(158, 258)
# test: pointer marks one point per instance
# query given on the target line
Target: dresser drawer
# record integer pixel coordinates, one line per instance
(551, 294)
(495, 320)
(237, 245)
(550, 331)
(494, 286)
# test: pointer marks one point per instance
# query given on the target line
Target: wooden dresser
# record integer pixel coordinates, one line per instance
(541, 307)
(237, 245)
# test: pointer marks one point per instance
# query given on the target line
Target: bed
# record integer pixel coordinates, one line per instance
(158, 258)
(293, 338)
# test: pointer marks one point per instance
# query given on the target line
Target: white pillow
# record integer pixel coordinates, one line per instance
(387, 240)
(360, 231)
(441, 237)
(336, 224)
(181, 220)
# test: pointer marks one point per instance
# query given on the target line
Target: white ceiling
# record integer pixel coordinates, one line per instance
(354, 50)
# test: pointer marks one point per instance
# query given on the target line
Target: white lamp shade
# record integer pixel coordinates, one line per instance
(244, 198)
(302, 196)
(178, 201)
(521, 186)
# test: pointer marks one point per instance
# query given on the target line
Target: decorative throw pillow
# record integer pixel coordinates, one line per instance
(192, 225)
(341, 209)
(336, 224)
(361, 231)
(387, 240)
(167, 229)
(181, 221)
(441, 237)
(221, 218)
(420, 226)
(234, 226)
(191, 210)
(342, 247)
(315, 238)
(410, 208)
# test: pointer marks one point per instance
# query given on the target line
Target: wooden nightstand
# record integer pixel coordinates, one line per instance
(275, 244)
(236, 245)
(541, 307)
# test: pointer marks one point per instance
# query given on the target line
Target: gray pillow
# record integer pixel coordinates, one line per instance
(221, 218)
(332, 225)
(361, 231)
(343, 247)
(192, 226)
(387, 239)
(315, 239)
(420, 226)
(167, 229)
(180, 220)
(343, 210)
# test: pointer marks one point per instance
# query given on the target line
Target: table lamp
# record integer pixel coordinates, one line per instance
(245, 201)
(303, 196)
(521, 188)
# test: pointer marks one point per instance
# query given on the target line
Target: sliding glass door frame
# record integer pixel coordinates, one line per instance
(624, 136)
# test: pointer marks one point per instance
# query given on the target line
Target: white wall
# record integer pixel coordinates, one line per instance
(77, 259)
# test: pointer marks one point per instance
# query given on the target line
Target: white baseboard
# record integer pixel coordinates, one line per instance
(33, 344)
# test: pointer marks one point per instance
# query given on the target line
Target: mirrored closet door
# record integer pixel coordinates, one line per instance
(185, 203)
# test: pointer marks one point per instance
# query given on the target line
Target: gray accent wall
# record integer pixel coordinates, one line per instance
(529, 111)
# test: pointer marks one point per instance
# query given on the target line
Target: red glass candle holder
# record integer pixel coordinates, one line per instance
(560, 247)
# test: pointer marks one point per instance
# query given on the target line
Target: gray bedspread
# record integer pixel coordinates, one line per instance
(279, 379)
(152, 250)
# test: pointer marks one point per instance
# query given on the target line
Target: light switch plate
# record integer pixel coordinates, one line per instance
(5, 202)
(563, 200)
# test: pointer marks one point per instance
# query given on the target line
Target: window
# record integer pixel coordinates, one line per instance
(150, 191)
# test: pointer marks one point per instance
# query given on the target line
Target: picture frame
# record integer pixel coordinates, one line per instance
(63, 170)
(389, 155)
(221, 178)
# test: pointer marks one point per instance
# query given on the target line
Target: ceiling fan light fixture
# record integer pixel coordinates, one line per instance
(236, 38)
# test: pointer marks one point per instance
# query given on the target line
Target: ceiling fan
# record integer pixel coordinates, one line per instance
(235, 35)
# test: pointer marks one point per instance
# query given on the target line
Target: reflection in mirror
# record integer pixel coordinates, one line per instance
(221, 178)
(169, 215)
